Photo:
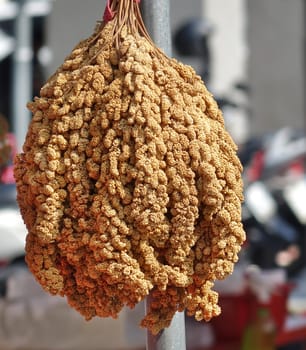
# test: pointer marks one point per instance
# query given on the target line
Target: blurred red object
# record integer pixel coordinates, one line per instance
(7, 175)
(278, 304)
(7, 172)
(239, 310)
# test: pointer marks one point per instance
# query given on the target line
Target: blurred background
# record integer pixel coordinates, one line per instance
(252, 57)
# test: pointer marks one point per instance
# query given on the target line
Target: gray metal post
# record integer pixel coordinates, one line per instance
(171, 338)
(156, 16)
(22, 73)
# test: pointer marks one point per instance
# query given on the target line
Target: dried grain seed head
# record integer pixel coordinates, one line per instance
(128, 182)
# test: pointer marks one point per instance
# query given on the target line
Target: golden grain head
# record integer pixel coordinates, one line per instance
(129, 184)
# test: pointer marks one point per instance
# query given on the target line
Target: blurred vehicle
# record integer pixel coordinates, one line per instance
(274, 213)
(12, 228)
(191, 39)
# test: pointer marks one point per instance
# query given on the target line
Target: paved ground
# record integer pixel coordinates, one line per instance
(32, 319)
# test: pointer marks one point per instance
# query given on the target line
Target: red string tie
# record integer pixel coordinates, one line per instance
(108, 13)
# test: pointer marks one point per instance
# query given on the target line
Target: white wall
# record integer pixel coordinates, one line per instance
(73, 20)
(276, 63)
(69, 22)
(228, 42)
(261, 41)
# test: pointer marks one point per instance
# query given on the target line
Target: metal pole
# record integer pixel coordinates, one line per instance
(304, 66)
(22, 73)
(171, 338)
(156, 16)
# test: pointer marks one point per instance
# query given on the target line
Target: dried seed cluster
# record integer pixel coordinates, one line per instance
(129, 184)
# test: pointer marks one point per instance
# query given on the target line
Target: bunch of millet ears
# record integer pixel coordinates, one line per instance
(128, 182)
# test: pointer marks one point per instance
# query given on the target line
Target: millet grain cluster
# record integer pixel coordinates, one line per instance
(128, 183)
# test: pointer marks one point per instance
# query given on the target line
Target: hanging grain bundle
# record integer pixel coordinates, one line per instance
(128, 182)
